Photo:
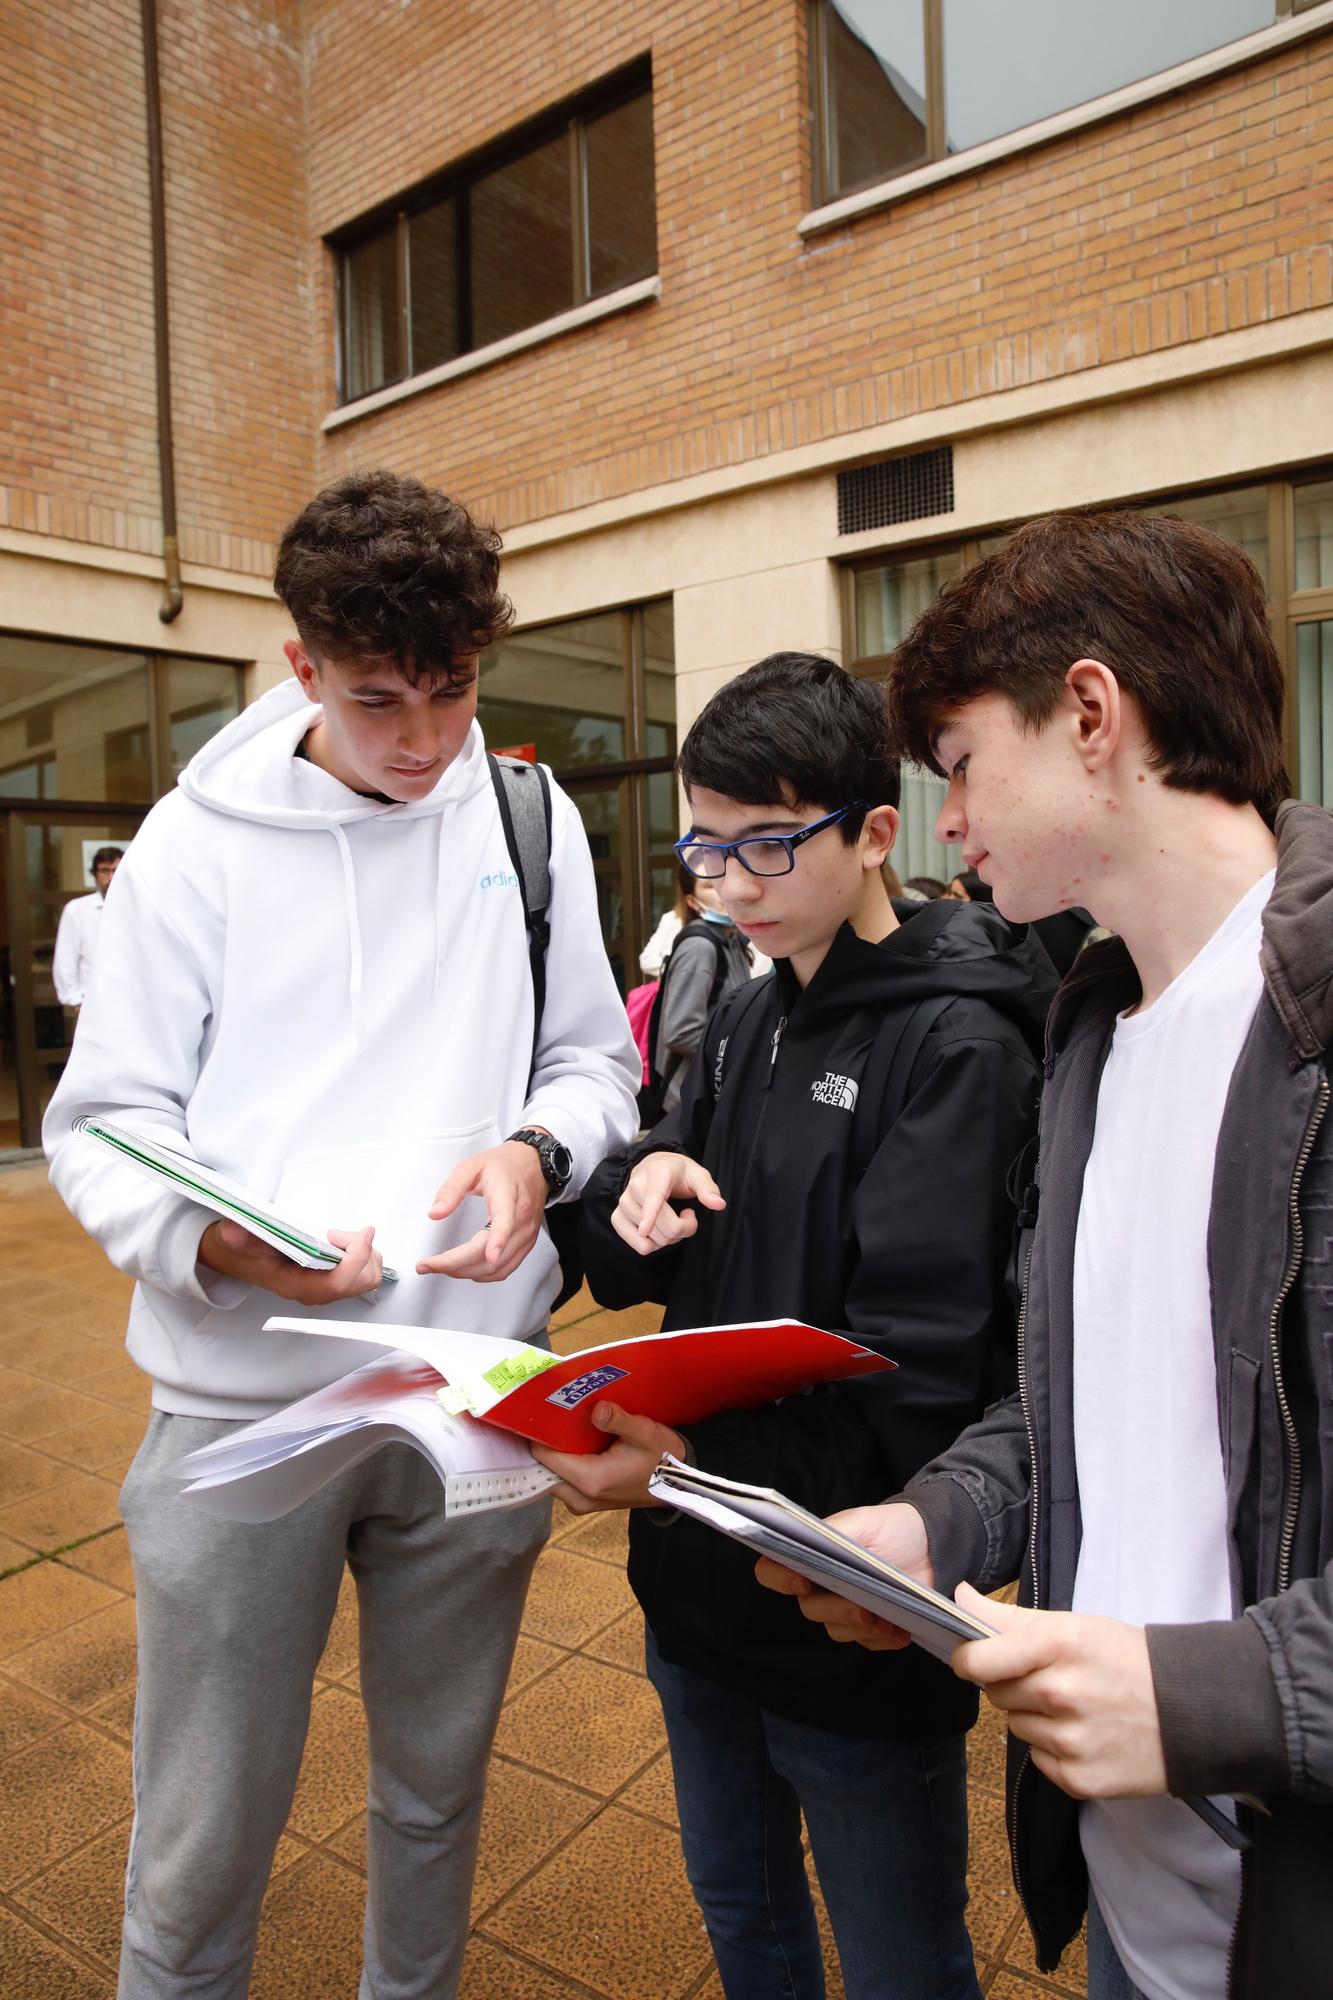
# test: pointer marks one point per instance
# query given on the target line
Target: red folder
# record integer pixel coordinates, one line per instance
(678, 1378)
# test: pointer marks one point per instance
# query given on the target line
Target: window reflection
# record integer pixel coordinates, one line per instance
(583, 695)
(73, 722)
(1313, 511)
(890, 600)
(521, 260)
(622, 214)
(371, 350)
(201, 698)
(875, 91)
(560, 687)
(1314, 712)
(995, 82)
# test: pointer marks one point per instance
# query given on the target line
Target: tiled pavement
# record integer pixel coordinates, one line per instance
(580, 1895)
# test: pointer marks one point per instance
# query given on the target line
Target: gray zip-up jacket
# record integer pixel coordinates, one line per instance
(1245, 1705)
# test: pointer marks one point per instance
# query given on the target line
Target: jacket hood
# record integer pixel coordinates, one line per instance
(1296, 954)
(945, 948)
(250, 770)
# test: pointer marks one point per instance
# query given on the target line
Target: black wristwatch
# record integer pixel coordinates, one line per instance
(557, 1160)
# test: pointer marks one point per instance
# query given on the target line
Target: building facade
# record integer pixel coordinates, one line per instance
(747, 326)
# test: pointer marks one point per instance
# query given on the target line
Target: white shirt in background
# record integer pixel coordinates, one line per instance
(77, 933)
(1146, 1438)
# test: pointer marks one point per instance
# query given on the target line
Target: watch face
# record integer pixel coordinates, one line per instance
(561, 1161)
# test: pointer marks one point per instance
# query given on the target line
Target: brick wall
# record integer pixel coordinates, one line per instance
(78, 422)
(1205, 212)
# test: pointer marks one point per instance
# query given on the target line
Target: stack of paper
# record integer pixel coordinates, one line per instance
(214, 1191)
(271, 1466)
(772, 1525)
(469, 1400)
(675, 1378)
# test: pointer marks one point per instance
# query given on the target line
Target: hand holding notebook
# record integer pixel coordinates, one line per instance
(488, 1395)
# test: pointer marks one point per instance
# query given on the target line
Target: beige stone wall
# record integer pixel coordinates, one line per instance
(757, 568)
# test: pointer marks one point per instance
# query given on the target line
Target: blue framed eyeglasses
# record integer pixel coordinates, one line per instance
(761, 854)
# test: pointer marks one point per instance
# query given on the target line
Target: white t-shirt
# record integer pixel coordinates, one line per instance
(1146, 1439)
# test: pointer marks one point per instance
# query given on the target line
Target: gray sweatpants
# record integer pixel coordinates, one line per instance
(232, 1622)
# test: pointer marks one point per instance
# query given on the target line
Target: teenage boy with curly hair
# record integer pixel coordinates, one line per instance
(314, 976)
(1104, 699)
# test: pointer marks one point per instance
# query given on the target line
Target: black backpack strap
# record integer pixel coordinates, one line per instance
(887, 1079)
(523, 796)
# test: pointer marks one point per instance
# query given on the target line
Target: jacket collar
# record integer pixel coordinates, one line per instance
(1296, 955)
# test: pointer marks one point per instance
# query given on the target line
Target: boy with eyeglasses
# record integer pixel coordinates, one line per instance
(839, 1154)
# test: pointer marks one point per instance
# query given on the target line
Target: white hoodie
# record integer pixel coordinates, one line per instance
(328, 1000)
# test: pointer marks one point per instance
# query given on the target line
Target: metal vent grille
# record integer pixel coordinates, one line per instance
(897, 489)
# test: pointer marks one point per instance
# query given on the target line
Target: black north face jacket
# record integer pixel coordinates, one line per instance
(861, 1131)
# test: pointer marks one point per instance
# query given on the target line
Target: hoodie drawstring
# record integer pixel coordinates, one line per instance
(446, 819)
(353, 927)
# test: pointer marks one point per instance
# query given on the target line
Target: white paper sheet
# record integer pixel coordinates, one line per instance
(272, 1465)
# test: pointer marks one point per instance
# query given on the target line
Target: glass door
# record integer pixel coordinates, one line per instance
(47, 865)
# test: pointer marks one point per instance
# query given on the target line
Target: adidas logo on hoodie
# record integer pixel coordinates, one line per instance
(834, 1089)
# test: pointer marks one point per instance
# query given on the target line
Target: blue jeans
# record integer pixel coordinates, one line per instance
(888, 1831)
(1107, 1978)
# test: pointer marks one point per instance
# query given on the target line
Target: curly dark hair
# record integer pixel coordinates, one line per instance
(380, 567)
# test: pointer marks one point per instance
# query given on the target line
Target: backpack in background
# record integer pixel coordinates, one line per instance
(639, 1006)
(654, 1083)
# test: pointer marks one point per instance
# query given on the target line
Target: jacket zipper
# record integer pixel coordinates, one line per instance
(1293, 1443)
(773, 1056)
(1036, 1590)
(1288, 1279)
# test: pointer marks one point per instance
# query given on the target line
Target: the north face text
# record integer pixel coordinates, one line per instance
(834, 1089)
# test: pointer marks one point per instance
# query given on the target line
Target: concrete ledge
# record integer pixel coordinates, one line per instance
(641, 293)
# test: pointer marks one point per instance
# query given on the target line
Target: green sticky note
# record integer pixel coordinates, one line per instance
(516, 1368)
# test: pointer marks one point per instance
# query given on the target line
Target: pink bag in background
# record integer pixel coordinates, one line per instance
(639, 1006)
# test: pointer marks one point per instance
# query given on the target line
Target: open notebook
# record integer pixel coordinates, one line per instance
(469, 1401)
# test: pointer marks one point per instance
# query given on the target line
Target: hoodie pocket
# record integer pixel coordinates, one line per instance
(390, 1184)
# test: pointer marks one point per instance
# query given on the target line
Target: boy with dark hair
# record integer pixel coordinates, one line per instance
(315, 978)
(1104, 699)
(839, 1154)
(79, 929)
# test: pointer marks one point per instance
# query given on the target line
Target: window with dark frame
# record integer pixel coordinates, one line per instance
(555, 216)
(898, 84)
(594, 697)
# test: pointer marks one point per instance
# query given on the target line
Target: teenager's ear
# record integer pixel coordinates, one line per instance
(879, 830)
(303, 667)
(1095, 712)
